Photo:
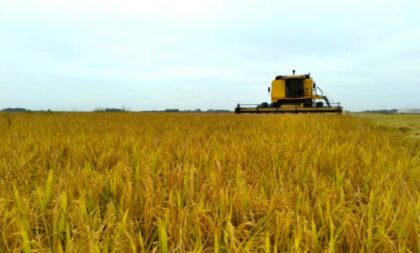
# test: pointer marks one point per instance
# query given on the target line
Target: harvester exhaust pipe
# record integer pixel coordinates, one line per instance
(293, 72)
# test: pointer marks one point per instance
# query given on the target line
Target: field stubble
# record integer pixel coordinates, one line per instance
(131, 182)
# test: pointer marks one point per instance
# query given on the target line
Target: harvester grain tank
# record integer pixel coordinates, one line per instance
(293, 94)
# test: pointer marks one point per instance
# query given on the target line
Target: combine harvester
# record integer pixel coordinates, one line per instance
(293, 94)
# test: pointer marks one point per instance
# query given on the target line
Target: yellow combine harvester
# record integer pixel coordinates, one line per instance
(293, 94)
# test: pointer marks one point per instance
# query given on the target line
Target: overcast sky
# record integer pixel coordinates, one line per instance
(187, 54)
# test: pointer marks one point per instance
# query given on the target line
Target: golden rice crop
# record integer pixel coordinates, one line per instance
(92, 182)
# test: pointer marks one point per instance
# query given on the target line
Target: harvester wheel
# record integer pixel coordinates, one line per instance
(264, 105)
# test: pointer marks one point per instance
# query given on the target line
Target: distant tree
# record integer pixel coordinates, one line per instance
(217, 110)
(102, 109)
(382, 111)
(15, 110)
(172, 110)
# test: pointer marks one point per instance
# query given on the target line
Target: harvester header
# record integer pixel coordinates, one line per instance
(293, 94)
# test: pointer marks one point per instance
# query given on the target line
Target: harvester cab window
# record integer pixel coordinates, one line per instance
(294, 88)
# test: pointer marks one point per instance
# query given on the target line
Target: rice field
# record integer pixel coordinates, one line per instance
(406, 124)
(150, 182)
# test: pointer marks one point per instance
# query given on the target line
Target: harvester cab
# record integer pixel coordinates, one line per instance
(293, 94)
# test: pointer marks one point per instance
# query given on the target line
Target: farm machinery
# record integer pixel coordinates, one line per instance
(293, 94)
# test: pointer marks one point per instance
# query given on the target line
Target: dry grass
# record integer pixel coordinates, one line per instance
(406, 124)
(205, 183)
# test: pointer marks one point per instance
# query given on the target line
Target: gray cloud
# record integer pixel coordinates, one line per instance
(150, 56)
